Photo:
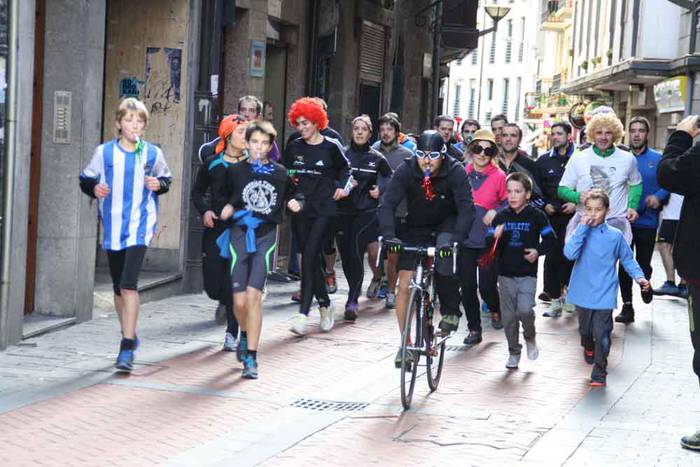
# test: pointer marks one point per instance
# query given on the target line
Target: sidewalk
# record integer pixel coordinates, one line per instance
(185, 403)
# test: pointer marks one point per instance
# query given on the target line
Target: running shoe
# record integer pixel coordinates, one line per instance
(229, 342)
(569, 307)
(691, 442)
(485, 309)
(250, 368)
(296, 297)
(532, 351)
(473, 338)
(383, 290)
(626, 315)
(647, 295)
(410, 358)
(331, 283)
(351, 312)
(598, 381)
(554, 308)
(390, 300)
(668, 288)
(125, 361)
(449, 323)
(299, 324)
(220, 314)
(373, 288)
(588, 356)
(544, 297)
(683, 291)
(242, 349)
(327, 317)
(513, 361)
(496, 321)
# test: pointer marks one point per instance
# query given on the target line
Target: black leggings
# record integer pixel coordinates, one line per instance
(216, 272)
(557, 269)
(487, 286)
(311, 233)
(643, 241)
(353, 235)
(125, 266)
(694, 315)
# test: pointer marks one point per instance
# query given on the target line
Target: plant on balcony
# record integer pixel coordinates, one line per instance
(609, 53)
(597, 60)
(584, 64)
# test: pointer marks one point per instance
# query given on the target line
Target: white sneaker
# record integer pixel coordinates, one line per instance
(532, 351)
(299, 324)
(230, 342)
(390, 300)
(554, 308)
(569, 307)
(327, 318)
(512, 363)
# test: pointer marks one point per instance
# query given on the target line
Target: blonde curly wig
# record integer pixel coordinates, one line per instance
(606, 120)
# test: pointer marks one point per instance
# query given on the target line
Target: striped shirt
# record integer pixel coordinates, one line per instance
(130, 210)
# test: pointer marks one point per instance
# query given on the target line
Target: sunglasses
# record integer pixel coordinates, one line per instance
(432, 155)
(477, 149)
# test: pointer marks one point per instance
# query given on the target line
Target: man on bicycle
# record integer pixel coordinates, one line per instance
(440, 213)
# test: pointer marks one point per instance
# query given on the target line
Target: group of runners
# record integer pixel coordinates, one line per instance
(585, 208)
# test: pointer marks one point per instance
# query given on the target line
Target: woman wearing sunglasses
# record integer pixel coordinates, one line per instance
(488, 184)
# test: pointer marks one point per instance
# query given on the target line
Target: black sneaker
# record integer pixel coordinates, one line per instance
(691, 441)
(648, 295)
(588, 356)
(626, 315)
(473, 338)
(544, 297)
(496, 322)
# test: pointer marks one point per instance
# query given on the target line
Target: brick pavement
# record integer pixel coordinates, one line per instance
(186, 404)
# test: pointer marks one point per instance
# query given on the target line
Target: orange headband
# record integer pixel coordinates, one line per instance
(226, 127)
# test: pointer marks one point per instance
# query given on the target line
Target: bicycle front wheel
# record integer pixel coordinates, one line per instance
(435, 345)
(410, 337)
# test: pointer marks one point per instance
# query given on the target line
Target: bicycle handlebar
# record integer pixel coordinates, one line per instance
(425, 251)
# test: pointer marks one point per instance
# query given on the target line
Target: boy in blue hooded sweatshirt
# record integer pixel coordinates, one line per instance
(597, 247)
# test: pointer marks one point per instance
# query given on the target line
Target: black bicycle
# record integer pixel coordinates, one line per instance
(421, 335)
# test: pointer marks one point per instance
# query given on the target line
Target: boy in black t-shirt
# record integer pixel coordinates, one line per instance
(259, 191)
(517, 231)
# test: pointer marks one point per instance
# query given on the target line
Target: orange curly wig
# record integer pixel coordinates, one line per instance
(308, 108)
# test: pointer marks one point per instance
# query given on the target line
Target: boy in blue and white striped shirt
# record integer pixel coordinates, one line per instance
(126, 175)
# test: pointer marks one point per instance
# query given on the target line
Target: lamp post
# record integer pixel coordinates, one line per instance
(496, 13)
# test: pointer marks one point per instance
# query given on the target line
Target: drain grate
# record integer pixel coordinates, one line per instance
(329, 406)
(457, 348)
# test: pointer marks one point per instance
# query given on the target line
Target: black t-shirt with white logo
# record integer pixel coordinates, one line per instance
(265, 195)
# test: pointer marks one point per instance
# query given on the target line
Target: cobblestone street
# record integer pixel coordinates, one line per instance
(186, 404)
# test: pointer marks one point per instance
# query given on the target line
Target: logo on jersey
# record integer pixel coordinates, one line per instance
(372, 164)
(319, 164)
(299, 159)
(260, 196)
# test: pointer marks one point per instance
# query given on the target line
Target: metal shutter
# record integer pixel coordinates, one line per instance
(372, 52)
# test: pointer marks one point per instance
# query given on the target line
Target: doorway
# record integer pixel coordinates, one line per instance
(276, 86)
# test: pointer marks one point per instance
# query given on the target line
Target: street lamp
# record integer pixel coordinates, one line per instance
(497, 13)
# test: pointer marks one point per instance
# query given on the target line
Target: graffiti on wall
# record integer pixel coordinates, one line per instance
(162, 84)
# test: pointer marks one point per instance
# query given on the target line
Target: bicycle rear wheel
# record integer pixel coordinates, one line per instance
(435, 346)
(410, 337)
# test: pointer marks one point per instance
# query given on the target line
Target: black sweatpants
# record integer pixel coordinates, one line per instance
(557, 269)
(353, 234)
(487, 285)
(694, 315)
(595, 328)
(643, 241)
(311, 232)
(217, 274)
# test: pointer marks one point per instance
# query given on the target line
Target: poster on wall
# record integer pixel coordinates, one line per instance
(161, 90)
(257, 58)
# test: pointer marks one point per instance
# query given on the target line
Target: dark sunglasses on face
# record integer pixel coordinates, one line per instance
(477, 149)
(433, 155)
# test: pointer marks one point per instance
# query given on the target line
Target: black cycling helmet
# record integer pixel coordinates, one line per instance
(431, 141)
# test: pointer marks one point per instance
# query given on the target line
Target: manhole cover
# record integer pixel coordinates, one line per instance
(329, 406)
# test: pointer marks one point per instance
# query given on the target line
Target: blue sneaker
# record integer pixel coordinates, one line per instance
(125, 360)
(485, 309)
(250, 368)
(669, 288)
(383, 290)
(242, 349)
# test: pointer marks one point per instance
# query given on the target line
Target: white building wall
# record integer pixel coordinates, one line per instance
(467, 74)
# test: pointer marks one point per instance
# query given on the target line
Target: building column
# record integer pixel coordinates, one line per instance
(67, 221)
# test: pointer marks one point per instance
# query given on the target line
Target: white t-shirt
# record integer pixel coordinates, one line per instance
(613, 174)
(672, 211)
